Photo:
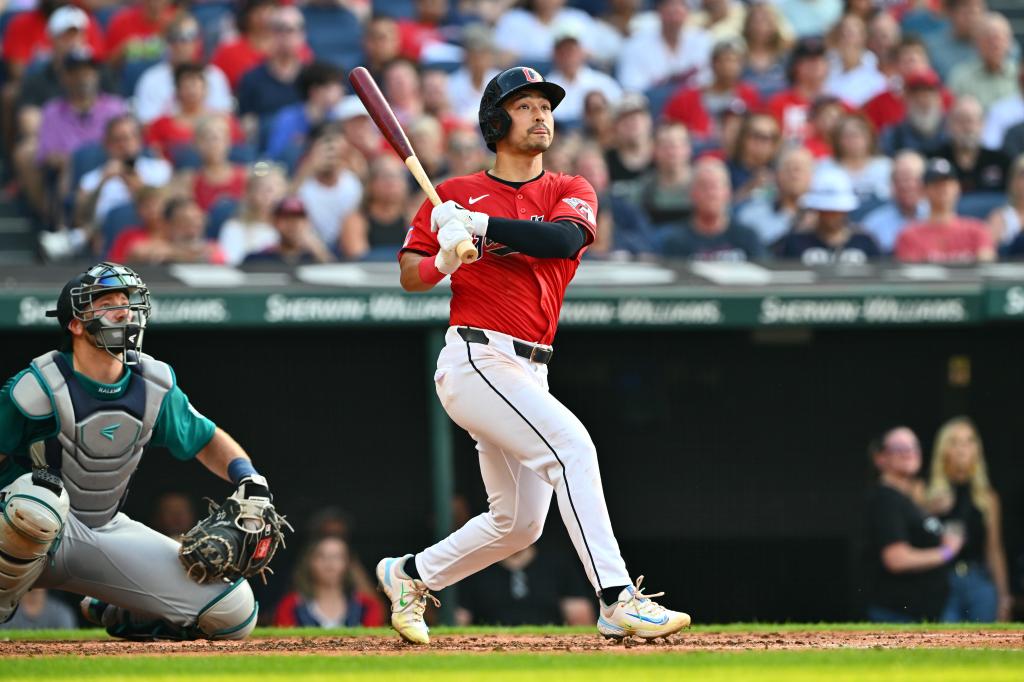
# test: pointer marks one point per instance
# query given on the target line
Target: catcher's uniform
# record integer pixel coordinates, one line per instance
(94, 434)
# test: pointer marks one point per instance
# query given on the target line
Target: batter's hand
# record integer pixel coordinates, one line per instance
(475, 221)
(453, 233)
(447, 261)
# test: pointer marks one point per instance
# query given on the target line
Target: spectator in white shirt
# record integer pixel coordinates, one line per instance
(1003, 115)
(908, 203)
(252, 229)
(811, 17)
(466, 85)
(527, 33)
(578, 79)
(855, 154)
(154, 93)
(672, 52)
(853, 70)
(326, 186)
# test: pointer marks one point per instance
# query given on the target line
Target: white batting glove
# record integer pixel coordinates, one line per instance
(444, 213)
(453, 233)
(479, 223)
(447, 261)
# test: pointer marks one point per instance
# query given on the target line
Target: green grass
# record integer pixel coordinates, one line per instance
(939, 665)
(544, 630)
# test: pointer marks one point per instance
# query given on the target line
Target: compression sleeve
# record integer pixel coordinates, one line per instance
(562, 239)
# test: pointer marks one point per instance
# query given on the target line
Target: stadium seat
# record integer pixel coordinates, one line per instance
(658, 97)
(980, 204)
(213, 18)
(84, 159)
(105, 14)
(334, 35)
(131, 72)
(117, 221)
(243, 153)
(184, 157)
(219, 213)
(399, 9)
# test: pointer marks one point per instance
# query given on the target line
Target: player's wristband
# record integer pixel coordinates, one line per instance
(946, 553)
(429, 273)
(239, 468)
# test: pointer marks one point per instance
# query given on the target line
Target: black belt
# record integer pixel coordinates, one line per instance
(539, 354)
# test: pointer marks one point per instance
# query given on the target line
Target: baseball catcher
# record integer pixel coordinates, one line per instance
(73, 427)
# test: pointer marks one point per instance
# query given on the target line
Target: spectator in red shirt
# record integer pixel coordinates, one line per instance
(324, 592)
(27, 35)
(889, 107)
(136, 32)
(944, 237)
(149, 204)
(217, 177)
(424, 29)
(701, 109)
(169, 131)
(823, 118)
(250, 48)
(808, 70)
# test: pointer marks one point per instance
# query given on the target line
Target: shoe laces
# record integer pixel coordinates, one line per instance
(418, 599)
(643, 603)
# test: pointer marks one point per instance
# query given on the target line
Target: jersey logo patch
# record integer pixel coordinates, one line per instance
(109, 431)
(583, 208)
(408, 238)
(531, 75)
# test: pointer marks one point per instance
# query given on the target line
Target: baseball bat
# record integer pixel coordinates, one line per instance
(384, 117)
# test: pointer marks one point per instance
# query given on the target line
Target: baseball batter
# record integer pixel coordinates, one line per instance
(73, 427)
(531, 230)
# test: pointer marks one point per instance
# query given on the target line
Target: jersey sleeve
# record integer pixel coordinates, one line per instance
(180, 427)
(577, 202)
(419, 239)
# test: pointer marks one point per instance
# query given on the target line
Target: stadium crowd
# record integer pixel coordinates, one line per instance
(156, 131)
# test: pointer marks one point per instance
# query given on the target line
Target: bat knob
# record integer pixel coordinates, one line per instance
(466, 252)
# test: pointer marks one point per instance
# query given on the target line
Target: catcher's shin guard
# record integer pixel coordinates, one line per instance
(33, 510)
(232, 615)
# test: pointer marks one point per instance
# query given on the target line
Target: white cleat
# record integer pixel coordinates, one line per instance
(636, 614)
(408, 599)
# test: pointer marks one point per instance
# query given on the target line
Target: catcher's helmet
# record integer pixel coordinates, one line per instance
(76, 303)
(495, 121)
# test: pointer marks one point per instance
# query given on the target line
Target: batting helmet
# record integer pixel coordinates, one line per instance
(494, 120)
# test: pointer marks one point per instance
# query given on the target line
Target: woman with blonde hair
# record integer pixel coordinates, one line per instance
(252, 230)
(959, 492)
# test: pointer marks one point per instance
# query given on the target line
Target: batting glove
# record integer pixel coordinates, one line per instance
(447, 261)
(453, 233)
(445, 213)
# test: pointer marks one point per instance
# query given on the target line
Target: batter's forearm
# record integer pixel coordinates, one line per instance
(410, 277)
(539, 239)
(220, 452)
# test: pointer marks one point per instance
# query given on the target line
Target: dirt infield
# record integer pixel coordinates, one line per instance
(698, 641)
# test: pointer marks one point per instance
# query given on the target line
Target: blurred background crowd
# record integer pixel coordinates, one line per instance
(214, 131)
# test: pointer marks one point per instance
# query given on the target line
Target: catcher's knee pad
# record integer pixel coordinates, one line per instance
(232, 615)
(32, 520)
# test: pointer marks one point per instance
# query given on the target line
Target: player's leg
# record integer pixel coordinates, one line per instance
(32, 520)
(138, 589)
(518, 505)
(504, 400)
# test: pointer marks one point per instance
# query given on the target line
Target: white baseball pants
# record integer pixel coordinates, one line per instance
(529, 445)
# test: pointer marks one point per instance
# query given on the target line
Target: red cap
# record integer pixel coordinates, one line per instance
(925, 78)
(290, 206)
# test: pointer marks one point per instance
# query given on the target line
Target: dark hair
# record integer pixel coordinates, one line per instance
(744, 130)
(174, 205)
(398, 61)
(246, 11)
(108, 129)
(188, 69)
(317, 75)
(324, 129)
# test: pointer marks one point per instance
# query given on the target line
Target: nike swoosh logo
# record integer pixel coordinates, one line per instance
(664, 619)
(473, 200)
(401, 598)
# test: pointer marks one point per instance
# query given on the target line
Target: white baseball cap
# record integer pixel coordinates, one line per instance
(350, 107)
(66, 18)
(831, 190)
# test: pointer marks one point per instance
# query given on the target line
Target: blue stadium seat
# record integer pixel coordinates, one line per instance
(658, 97)
(243, 153)
(334, 35)
(84, 159)
(131, 72)
(212, 18)
(105, 14)
(399, 9)
(219, 213)
(184, 157)
(594, 8)
(980, 204)
(117, 221)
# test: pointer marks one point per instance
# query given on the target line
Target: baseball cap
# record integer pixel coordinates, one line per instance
(350, 107)
(938, 170)
(923, 79)
(80, 57)
(809, 47)
(477, 37)
(631, 102)
(66, 18)
(290, 206)
(831, 190)
(566, 30)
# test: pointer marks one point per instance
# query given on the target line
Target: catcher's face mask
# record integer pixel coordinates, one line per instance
(112, 303)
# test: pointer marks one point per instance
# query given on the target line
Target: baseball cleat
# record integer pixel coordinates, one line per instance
(408, 599)
(636, 614)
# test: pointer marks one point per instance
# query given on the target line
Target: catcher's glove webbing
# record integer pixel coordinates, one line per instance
(237, 540)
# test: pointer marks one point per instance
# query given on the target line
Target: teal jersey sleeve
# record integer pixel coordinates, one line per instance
(18, 430)
(180, 427)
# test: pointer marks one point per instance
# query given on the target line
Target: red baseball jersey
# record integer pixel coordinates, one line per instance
(507, 291)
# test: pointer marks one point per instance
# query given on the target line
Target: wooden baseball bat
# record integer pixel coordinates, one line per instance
(382, 114)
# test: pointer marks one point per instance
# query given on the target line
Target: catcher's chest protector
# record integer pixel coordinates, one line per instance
(100, 442)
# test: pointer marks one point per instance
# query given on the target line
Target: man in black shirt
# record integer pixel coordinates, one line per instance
(977, 168)
(908, 550)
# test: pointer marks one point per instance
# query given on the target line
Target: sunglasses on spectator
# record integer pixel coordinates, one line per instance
(289, 28)
(900, 449)
(183, 36)
(764, 135)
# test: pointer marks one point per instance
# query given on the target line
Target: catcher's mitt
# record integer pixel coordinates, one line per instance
(237, 540)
